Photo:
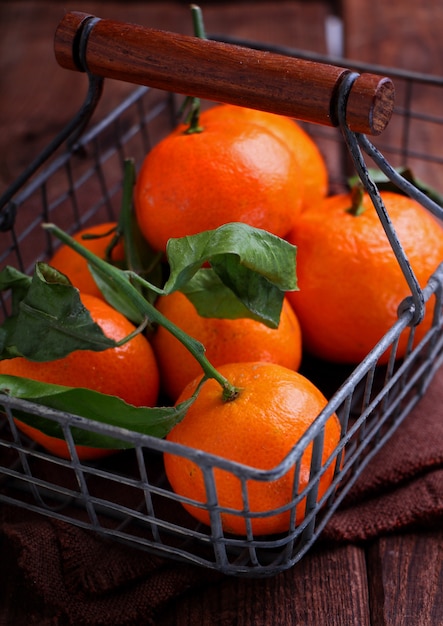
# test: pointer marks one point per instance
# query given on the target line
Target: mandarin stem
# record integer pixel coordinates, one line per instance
(357, 207)
(197, 20)
(199, 31)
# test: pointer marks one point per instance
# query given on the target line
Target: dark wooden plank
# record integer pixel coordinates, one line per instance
(406, 580)
(404, 35)
(326, 586)
(401, 34)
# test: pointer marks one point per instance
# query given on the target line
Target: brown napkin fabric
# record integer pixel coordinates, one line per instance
(79, 578)
(402, 487)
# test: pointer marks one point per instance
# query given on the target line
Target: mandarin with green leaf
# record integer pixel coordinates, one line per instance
(225, 341)
(128, 371)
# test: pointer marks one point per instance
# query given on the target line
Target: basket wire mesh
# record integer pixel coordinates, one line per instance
(126, 497)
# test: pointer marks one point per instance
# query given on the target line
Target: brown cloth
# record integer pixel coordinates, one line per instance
(402, 486)
(78, 578)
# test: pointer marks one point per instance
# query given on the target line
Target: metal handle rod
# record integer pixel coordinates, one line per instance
(222, 72)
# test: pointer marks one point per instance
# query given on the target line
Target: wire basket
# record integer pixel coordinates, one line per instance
(126, 497)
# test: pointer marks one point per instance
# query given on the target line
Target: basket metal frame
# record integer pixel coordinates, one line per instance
(371, 401)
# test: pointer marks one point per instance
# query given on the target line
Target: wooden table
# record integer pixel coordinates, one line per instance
(387, 582)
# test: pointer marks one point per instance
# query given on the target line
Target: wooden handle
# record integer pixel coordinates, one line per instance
(221, 72)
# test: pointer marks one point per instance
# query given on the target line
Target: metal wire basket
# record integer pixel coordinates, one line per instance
(126, 497)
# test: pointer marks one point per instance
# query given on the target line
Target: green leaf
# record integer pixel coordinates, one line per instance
(14, 280)
(50, 320)
(212, 298)
(256, 266)
(261, 297)
(92, 405)
(19, 283)
(139, 257)
(114, 295)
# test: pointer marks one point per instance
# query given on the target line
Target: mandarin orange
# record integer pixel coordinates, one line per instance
(259, 428)
(128, 371)
(225, 341)
(313, 166)
(75, 267)
(230, 172)
(350, 281)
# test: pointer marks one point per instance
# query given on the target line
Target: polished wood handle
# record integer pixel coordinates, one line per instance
(222, 72)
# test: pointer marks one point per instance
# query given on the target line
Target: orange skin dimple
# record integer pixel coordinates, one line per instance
(225, 341)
